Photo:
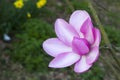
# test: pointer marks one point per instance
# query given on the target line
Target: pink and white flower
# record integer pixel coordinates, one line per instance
(77, 43)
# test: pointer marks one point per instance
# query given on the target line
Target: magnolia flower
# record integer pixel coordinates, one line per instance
(77, 43)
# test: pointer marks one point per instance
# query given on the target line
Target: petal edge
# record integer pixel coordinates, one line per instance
(54, 47)
(81, 66)
(65, 31)
(93, 55)
(64, 60)
(78, 18)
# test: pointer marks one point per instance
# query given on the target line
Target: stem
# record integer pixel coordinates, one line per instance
(112, 68)
(104, 34)
(105, 37)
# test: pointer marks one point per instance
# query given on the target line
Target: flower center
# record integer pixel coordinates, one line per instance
(80, 46)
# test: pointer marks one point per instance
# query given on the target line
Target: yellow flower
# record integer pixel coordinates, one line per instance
(20, 0)
(28, 15)
(41, 3)
(19, 4)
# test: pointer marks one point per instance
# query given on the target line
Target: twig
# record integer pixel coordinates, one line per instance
(104, 34)
(112, 68)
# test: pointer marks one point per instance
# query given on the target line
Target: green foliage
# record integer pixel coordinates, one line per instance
(12, 17)
(27, 46)
(80, 5)
(114, 35)
(28, 49)
(96, 73)
(6, 14)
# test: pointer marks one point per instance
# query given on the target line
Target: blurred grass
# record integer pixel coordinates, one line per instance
(27, 45)
(114, 35)
(28, 49)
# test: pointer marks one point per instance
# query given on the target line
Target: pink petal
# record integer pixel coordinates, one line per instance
(54, 47)
(78, 18)
(82, 66)
(97, 37)
(64, 60)
(80, 46)
(64, 31)
(93, 55)
(87, 30)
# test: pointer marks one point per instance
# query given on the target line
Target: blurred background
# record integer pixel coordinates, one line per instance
(25, 24)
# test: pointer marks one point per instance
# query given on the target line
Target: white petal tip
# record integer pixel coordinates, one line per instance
(82, 70)
(6, 37)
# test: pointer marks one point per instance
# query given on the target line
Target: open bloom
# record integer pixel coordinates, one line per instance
(18, 4)
(77, 43)
(41, 3)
